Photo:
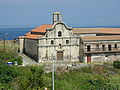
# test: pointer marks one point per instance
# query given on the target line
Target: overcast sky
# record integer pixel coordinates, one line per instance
(75, 12)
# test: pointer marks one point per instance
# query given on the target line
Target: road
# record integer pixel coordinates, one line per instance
(27, 61)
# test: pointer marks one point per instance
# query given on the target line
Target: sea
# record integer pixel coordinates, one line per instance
(14, 32)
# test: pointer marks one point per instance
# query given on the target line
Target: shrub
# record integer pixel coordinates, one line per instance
(98, 69)
(116, 64)
(10, 56)
(7, 73)
(36, 77)
(7, 55)
(87, 69)
(17, 59)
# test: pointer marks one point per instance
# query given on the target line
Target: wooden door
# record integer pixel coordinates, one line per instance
(88, 58)
(60, 55)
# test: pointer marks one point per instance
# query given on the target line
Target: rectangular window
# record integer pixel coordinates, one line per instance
(115, 45)
(67, 41)
(109, 47)
(97, 46)
(103, 47)
(88, 48)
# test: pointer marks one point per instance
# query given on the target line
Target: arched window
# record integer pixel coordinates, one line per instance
(52, 42)
(88, 48)
(59, 34)
(60, 46)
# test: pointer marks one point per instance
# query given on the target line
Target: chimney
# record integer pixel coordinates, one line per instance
(57, 17)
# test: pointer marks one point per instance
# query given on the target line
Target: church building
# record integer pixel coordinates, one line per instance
(63, 43)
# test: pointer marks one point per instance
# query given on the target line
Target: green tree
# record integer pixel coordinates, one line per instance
(36, 77)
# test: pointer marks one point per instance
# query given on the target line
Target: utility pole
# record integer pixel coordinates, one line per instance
(4, 42)
(52, 72)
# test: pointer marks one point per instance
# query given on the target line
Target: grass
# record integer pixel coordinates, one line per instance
(88, 79)
(97, 77)
(10, 46)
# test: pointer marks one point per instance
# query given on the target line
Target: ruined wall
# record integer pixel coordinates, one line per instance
(98, 54)
(106, 57)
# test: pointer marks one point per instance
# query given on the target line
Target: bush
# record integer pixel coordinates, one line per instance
(36, 77)
(7, 73)
(17, 59)
(116, 64)
(7, 55)
(10, 57)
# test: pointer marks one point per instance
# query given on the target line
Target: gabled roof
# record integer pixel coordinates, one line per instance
(32, 36)
(27, 34)
(42, 28)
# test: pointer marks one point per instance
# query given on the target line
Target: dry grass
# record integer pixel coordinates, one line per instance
(10, 45)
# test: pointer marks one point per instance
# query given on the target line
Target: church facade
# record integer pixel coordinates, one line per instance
(62, 43)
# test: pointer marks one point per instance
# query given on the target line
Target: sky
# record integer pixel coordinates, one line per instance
(74, 12)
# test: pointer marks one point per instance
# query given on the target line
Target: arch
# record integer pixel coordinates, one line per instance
(52, 42)
(88, 48)
(60, 46)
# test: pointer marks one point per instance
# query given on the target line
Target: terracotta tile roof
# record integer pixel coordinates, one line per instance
(96, 30)
(100, 38)
(21, 36)
(27, 34)
(111, 30)
(42, 28)
(39, 29)
(85, 30)
(31, 36)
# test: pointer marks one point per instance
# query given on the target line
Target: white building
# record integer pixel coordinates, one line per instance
(70, 44)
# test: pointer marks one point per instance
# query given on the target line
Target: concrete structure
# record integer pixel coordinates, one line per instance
(71, 44)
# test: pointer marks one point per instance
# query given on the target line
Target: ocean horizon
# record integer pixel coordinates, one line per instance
(16, 31)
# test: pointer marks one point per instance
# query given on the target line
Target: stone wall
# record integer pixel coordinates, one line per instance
(31, 48)
(105, 57)
(70, 51)
(99, 55)
(21, 43)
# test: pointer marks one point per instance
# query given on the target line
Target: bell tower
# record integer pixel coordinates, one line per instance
(57, 17)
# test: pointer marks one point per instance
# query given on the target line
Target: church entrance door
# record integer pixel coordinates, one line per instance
(88, 58)
(59, 55)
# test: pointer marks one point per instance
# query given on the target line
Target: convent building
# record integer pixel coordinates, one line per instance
(71, 44)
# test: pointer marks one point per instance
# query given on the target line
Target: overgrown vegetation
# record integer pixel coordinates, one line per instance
(116, 64)
(95, 77)
(21, 78)
(10, 57)
(9, 52)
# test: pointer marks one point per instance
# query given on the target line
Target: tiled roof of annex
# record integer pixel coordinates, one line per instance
(101, 38)
(39, 29)
(96, 30)
(42, 28)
